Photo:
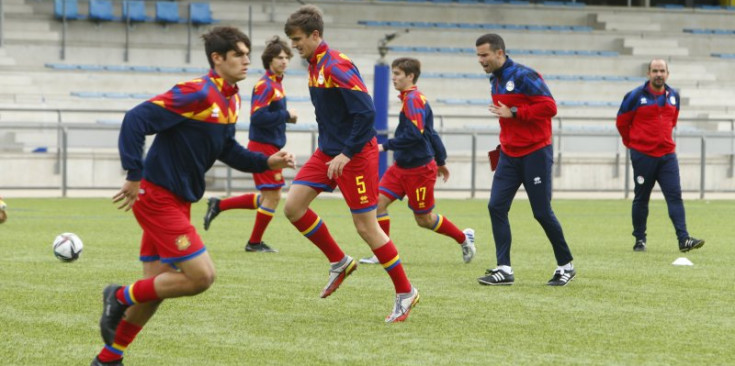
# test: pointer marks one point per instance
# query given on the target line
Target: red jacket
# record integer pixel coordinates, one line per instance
(646, 120)
(519, 86)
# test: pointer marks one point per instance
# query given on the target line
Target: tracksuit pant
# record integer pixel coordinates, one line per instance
(534, 172)
(647, 170)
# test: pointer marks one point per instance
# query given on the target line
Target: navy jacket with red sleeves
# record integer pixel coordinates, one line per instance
(268, 113)
(516, 85)
(646, 120)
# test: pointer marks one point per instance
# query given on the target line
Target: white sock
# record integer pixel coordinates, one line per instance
(566, 267)
(506, 269)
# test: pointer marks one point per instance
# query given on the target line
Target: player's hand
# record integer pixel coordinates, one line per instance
(280, 160)
(500, 110)
(292, 116)
(380, 147)
(443, 173)
(128, 194)
(337, 165)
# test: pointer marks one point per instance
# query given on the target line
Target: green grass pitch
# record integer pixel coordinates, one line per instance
(624, 308)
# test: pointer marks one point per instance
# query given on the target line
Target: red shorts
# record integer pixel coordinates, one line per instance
(168, 235)
(417, 183)
(269, 180)
(358, 182)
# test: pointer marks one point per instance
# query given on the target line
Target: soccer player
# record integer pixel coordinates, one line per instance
(347, 158)
(645, 121)
(194, 123)
(268, 118)
(419, 157)
(524, 105)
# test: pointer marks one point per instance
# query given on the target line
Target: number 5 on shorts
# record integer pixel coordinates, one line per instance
(360, 184)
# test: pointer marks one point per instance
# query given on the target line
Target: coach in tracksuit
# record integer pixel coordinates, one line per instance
(524, 105)
(645, 121)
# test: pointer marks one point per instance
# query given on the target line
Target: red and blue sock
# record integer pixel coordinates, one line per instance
(388, 257)
(124, 335)
(140, 291)
(446, 227)
(313, 228)
(384, 222)
(247, 201)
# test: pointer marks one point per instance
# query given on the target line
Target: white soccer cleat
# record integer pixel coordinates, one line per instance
(468, 247)
(370, 260)
(404, 303)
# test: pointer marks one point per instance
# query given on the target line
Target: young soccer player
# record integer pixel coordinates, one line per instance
(194, 123)
(268, 118)
(419, 157)
(347, 158)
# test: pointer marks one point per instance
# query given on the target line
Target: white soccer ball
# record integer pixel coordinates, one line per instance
(67, 247)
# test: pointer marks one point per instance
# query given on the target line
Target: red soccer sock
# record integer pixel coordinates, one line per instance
(140, 291)
(446, 227)
(313, 228)
(262, 219)
(124, 335)
(388, 257)
(384, 222)
(246, 201)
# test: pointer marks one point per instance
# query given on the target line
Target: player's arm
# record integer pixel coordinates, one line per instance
(262, 114)
(541, 104)
(625, 117)
(359, 106)
(413, 115)
(240, 158)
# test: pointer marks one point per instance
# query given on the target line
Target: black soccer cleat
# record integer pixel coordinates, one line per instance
(640, 246)
(112, 313)
(259, 247)
(690, 243)
(97, 362)
(562, 277)
(212, 211)
(496, 277)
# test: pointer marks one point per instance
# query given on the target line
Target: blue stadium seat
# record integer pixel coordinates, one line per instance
(135, 9)
(167, 12)
(200, 13)
(101, 11)
(70, 8)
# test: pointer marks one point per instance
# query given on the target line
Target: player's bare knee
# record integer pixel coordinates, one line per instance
(424, 221)
(293, 212)
(203, 282)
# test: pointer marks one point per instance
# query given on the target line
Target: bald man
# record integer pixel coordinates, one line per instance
(645, 121)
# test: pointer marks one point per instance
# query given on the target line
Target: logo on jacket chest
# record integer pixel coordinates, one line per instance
(320, 78)
(215, 112)
(672, 100)
(644, 100)
(510, 85)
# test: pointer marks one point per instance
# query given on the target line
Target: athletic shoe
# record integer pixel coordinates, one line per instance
(259, 247)
(212, 211)
(562, 277)
(404, 303)
(690, 243)
(640, 246)
(112, 313)
(370, 260)
(337, 274)
(468, 247)
(497, 277)
(97, 362)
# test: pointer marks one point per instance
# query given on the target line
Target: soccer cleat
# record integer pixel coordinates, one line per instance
(337, 274)
(370, 260)
(468, 247)
(497, 277)
(690, 243)
(97, 362)
(640, 245)
(212, 211)
(112, 313)
(562, 277)
(404, 303)
(259, 247)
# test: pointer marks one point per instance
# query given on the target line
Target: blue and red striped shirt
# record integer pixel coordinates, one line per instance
(646, 120)
(268, 111)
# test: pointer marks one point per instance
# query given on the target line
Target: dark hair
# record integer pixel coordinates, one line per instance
(409, 66)
(273, 48)
(307, 19)
(495, 41)
(223, 40)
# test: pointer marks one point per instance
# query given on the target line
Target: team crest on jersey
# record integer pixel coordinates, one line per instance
(510, 85)
(639, 179)
(644, 100)
(182, 242)
(278, 176)
(320, 79)
(215, 112)
(672, 100)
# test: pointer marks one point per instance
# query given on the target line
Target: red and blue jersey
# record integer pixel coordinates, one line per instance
(194, 123)
(519, 86)
(344, 110)
(646, 120)
(268, 113)
(415, 142)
